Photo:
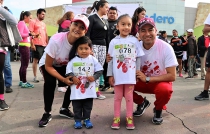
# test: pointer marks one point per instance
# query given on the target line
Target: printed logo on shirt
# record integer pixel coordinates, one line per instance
(150, 68)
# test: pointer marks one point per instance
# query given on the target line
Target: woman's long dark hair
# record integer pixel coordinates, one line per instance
(98, 4)
(23, 14)
(81, 40)
(136, 14)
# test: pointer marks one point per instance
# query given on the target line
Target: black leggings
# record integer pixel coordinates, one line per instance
(2, 60)
(49, 88)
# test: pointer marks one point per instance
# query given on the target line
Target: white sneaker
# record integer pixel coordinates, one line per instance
(35, 80)
(101, 97)
(62, 89)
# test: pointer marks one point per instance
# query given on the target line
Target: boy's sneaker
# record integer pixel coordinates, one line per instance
(116, 123)
(8, 90)
(62, 89)
(3, 105)
(141, 108)
(129, 123)
(35, 80)
(88, 123)
(202, 96)
(20, 83)
(77, 125)
(64, 112)
(189, 77)
(157, 119)
(27, 85)
(46, 118)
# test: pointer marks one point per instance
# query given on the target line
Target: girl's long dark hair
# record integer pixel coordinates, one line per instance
(80, 41)
(136, 14)
(23, 14)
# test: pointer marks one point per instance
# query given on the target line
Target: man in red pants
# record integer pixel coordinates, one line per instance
(158, 71)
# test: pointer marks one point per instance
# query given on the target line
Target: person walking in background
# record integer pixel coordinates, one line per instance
(112, 20)
(7, 66)
(24, 48)
(38, 28)
(84, 69)
(138, 14)
(53, 66)
(9, 35)
(176, 43)
(88, 11)
(203, 44)
(184, 48)
(204, 95)
(191, 53)
(163, 36)
(63, 26)
(125, 53)
(98, 32)
(65, 21)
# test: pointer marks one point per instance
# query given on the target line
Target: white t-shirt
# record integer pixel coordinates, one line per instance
(83, 67)
(124, 52)
(58, 48)
(207, 21)
(157, 58)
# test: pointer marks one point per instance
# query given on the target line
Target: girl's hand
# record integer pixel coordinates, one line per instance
(67, 81)
(108, 58)
(90, 78)
(76, 81)
(111, 81)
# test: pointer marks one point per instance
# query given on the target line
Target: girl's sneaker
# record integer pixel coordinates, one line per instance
(116, 123)
(77, 125)
(180, 75)
(27, 85)
(20, 83)
(129, 123)
(88, 123)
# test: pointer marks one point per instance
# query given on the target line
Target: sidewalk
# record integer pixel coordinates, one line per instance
(26, 109)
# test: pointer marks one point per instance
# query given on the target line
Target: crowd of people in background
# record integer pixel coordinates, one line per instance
(90, 54)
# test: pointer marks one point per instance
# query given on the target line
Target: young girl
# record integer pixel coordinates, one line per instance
(122, 68)
(85, 69)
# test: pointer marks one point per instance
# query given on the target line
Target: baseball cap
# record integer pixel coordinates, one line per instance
(190, 30)
(145, 21)
(83, 19)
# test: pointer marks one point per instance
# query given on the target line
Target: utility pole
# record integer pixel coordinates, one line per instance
(45, 3)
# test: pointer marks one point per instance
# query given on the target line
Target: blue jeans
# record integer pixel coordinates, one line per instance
(7, 71)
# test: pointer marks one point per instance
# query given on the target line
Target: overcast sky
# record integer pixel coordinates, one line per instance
(16, 6)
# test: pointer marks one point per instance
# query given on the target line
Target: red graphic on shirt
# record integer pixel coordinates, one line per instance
(62, 62)
(150, 68)
(123, 65)
(81, 85)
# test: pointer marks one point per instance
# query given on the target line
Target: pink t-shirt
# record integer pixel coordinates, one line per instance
(24, 32)
(38, 27)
